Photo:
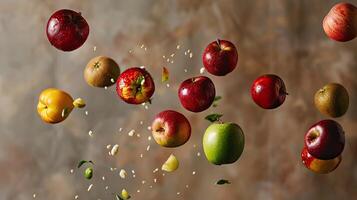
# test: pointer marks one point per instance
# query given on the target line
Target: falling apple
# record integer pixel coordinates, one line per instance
(101, 71)
(197, 94)
(220, 57)
(340, 23)
(268, 91)
(332, 100)
(325, 140)
(317, 165)
(135, 86)
(223, 143)
(67, 30)
(171, 129)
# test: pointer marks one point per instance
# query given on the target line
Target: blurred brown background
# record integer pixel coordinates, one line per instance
(277, 36)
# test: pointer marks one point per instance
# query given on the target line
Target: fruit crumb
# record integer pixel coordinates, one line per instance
(90, 187)
(76, 197)
(194, 172)
(34, 195)
(149, 138)
(191, 55)
(108, 146)
(71, 171)
(148, 148)
(202, 70)
(178, 46)
(122, 173)
(114, 150)
(90, 133)
(131, 133)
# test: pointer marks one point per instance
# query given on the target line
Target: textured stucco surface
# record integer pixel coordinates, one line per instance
(277, 36)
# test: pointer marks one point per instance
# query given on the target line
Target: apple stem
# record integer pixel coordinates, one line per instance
(218, 42)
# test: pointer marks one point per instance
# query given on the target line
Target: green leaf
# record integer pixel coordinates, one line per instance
(84, 161)
(213, 117)
(217, 98)
(222, 182)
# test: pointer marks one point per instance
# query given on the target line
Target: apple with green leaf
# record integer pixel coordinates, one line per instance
(223, 142)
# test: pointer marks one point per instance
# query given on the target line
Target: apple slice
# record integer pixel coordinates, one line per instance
(171, 164)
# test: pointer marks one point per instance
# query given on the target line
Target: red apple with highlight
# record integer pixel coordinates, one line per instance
(67, 30)
(268, 91)
(197, 94)
(171, 129)
(325, 140)
(220, 57)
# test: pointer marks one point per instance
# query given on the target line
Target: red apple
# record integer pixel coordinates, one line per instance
(317, 165)
(67, 30)
(197, 94)
(325, 140)
(268, 91)
(135, 85)
(220, 57)
(340, 23)
(171, 129)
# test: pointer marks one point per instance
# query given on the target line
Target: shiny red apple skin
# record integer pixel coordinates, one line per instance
(135, 86)
(340, 23)
(171, 129)
(197, 94)
(220, 57)
(268, 91)
(317, 165)
(67, 30)
(325, 140)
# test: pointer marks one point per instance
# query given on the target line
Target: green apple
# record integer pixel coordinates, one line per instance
(223, 143)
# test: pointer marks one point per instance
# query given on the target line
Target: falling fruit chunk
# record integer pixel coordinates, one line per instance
(171, 164)
(79, 103)
(125, 194)
(165, 74)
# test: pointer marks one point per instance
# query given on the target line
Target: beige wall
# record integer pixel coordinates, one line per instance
(277, 36)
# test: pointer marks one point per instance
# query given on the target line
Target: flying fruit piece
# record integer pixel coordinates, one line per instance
(101, 71)
(88, 173)
(220, 57)
(325, 140)
(317, 165)
(171, 129)
(125, 195)
(122, 174)
(223, 143)
(197, 94)
(268, 91)
(135, 86)
(55, 105)
(165, 74)
(79, 103)
(67, 30)
(171, 164)
(332, 100)
(340, 23)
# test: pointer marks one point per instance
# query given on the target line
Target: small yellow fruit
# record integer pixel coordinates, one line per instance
(54, 105)
(171, 164)
(125, 194)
